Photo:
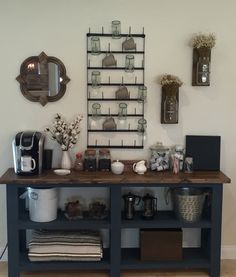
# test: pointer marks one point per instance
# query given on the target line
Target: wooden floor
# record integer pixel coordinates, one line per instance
(228, 269)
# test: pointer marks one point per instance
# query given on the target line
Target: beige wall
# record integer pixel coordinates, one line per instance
(59, 28)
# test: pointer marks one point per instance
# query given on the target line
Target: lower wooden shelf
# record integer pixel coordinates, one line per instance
(27, 265)
(62, 223)
(192, 258)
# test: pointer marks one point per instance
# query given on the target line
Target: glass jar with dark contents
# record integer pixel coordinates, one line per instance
(104, 160)
(90, 162)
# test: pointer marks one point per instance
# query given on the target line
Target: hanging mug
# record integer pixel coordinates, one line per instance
(122, 93)
(109, 60)
(129, 44)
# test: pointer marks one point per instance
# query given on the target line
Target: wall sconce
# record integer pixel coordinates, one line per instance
(201, 66)
(202, 45)
(170, 98)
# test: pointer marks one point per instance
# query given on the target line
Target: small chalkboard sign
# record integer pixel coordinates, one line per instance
(205, 151)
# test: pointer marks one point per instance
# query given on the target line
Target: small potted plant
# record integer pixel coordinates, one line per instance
(202, 45)
(170, 98)
(66, 134)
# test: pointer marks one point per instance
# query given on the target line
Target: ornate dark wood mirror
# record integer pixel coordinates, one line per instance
(43, 79)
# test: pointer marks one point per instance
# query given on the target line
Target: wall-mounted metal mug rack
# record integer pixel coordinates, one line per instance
(108, 81)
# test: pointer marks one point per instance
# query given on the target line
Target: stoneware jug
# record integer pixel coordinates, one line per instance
(140, 167)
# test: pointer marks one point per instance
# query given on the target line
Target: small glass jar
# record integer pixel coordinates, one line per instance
(95, 46)
(122, 114)
(129, 63)
(90, 161)
(142, 125)
(171, 109)
(116, 29)
(96, 110)
(96, 79)
(79, 162)
(142, 93)
(104, 160)
(188, 165)
(203, 71)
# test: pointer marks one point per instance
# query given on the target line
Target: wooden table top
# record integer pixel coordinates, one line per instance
(150, 177)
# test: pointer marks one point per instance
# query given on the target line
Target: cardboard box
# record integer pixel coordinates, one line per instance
(161, 244)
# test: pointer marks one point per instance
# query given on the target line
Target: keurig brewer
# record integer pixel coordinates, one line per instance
(28, 153)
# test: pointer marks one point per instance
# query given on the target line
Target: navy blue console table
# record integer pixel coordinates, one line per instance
(116, 259)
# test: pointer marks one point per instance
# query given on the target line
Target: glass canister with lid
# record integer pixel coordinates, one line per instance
(90, 161)
(104, 160)
(160, 157)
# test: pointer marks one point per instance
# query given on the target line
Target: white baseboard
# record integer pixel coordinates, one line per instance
(228, 252)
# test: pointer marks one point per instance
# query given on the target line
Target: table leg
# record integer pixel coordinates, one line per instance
(215, 240)
(115, 231)
(12, 231)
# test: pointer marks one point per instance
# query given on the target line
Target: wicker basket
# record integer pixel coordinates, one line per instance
(188, 203)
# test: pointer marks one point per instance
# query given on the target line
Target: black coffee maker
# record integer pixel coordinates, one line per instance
(149, 206)
(28, 152)
(130, 201)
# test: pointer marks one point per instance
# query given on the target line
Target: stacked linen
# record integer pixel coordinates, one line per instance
(65, 246)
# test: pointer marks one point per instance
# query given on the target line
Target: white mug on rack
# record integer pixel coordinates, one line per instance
(27, 163)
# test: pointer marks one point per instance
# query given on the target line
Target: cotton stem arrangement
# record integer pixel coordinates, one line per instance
(65, 134)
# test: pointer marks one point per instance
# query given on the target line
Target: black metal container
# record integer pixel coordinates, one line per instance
(130, 201)
(149, 206)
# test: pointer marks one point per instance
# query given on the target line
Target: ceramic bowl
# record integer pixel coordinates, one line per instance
(117, 167)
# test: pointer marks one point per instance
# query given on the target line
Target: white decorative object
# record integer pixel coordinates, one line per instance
(62, 171)
(140, 167)
(117, 167)
(66, 160)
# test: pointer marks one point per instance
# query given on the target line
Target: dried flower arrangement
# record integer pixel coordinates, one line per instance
(203, 40)
(66, 134)
(168, 79)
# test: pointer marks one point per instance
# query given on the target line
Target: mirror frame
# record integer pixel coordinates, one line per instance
(23, 84)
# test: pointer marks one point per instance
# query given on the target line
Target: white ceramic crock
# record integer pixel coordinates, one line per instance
(43, 203)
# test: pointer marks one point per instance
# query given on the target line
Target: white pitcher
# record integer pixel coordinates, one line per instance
(139, 167)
